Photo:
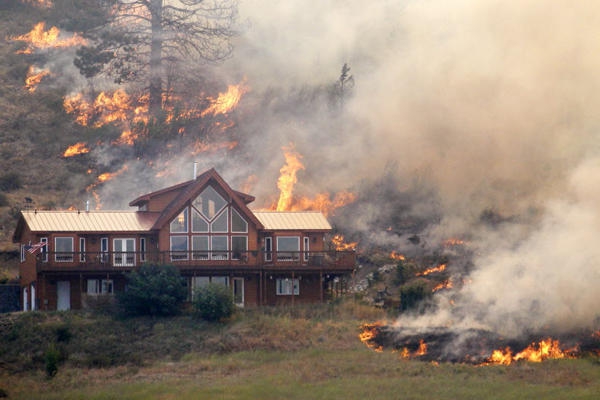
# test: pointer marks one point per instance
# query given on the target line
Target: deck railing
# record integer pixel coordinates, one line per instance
(50, 261)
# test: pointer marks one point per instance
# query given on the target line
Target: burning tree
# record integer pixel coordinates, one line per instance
(152, 41)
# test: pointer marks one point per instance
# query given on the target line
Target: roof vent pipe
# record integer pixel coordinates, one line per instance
(195, 170)
(87, 206)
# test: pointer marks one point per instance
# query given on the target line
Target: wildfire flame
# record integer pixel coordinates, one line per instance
(535, 352)
(447, 284)
(34, 77)
(38, 38)
(287, 180)
(340, 245)
(39, 3)
(77, 148)
(397, 256)
(226, 101)
(368, 332)
(428, 271)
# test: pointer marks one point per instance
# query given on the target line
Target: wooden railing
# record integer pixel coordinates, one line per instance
(333, 259)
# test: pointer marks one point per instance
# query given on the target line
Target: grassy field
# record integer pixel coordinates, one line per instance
(292, 354)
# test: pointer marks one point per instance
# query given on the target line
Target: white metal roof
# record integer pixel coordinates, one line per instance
(293, 220)
(89, 221)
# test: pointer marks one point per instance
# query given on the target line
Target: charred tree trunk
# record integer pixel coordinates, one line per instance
(155, 90)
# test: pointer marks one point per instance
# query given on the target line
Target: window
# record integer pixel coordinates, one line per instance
(200, 247)
(220, 223)
(180, 223)
(268, 249)
(306, 247)
(219, 247)
(239, 247)
(238, 223)
(198, 223)
(179, 248)
(104, 250)
(209, 203)
(142, 249)
(124, 252)
(287, 287)
(288, 248)
(100, 286)
(44, 249)
(63, 249)
(23, 252)
(81, 249)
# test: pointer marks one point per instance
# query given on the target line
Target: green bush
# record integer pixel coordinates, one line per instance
(413, 294)
(51, 359)
(213, 302)
(153, 290)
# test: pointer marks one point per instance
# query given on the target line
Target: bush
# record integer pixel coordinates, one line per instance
(51, 359)
(413, 294)
(10, 181)
(154, 290)
(213, 302)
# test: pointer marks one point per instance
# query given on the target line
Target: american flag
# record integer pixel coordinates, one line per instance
(35, 247)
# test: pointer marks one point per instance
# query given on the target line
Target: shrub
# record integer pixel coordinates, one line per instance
(154, 290)
(412, 294)
(51, 359)
(213, 302)
(10, 181)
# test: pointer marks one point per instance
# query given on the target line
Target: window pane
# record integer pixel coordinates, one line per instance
(220, 223)
(239, 246)
(200, 247)
(219, 247)
(238, 224)
(209, 203)
(63, 246)
(198, 223)
(288, 243)
(179, 224)
(179, 247)
(220, 280)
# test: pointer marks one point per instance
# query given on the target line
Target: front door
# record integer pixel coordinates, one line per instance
(238, 291)
(63, 290)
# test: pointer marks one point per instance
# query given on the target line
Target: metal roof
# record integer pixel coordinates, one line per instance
(89, 221)
(292, 220)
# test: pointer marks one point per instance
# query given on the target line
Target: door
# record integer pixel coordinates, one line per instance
(63, 291)
(238, 291)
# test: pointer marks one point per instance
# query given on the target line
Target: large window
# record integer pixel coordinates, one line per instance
(209, 219)
(288, 287)
(288, 248)
(63, 249)
(124, 252)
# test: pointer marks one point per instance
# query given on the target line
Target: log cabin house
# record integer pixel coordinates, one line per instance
(70, 259)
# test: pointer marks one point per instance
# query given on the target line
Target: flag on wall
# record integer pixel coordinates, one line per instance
(35, 247)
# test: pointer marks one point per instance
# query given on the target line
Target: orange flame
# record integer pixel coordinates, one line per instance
(34, 77)
(37, 38)
(287, 180)
(368, 333)
(439, 268)
(39, 3)
(536, 352)
(77, 148)
(397, 256)
(340, 245)
(226, 101)
(447, 284)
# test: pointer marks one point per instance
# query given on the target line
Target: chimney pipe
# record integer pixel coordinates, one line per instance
(195, 169)
(87, 205)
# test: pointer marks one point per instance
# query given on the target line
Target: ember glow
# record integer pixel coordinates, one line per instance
(77, 148)
(39, 38)
(34, 77)
(368, 333)
(397, 256)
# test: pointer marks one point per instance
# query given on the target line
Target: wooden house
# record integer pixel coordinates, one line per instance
(70, 259)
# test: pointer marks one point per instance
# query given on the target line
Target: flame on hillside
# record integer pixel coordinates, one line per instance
(105, 108)
(77, 148)
(102, 178)
(34, 77)
(536, 352)
(287, 178)
(397, 256)
(369, 332)
(39, 38)
(339, 243)
(225, 101)
(202, 147)
(432, 270)
(39, 3)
